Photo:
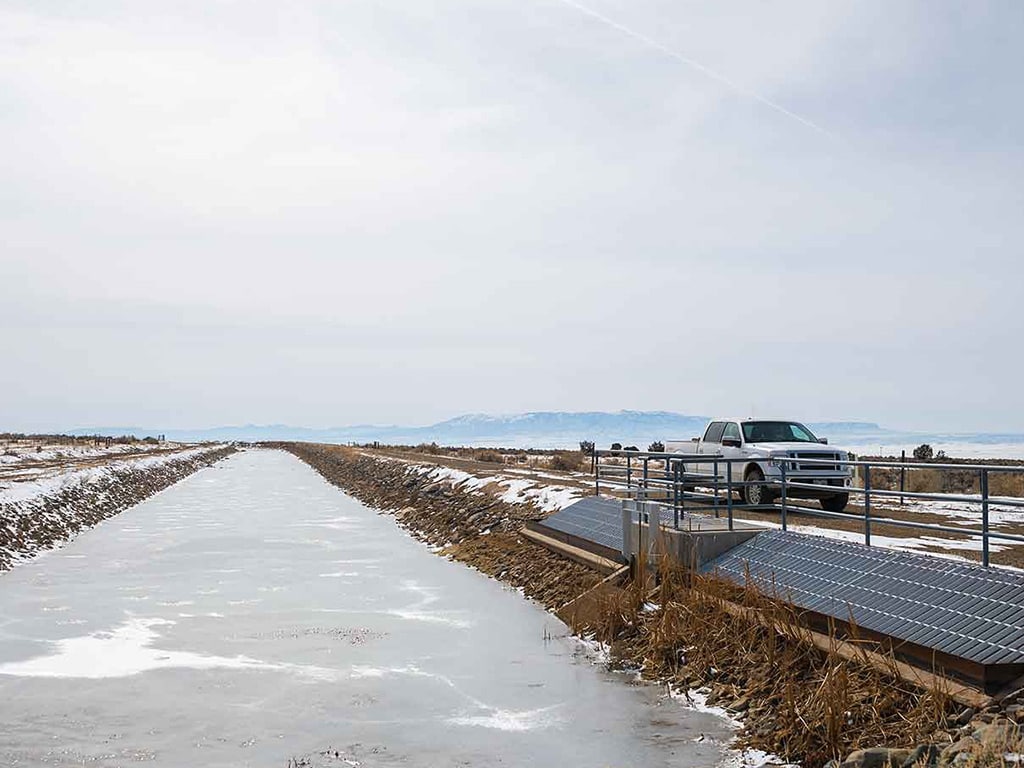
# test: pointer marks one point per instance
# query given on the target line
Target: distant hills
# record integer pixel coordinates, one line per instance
(544, 429)
(564, 429)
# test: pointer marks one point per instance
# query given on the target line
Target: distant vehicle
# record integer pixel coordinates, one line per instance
(767, 444)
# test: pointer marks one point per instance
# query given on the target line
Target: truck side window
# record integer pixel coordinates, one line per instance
(732, 430)
(714, 433)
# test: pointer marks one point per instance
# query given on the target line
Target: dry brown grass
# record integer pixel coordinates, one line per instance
(1006, 484)
(922, 479)
(566, 461)
(802, 702)
(489, 457)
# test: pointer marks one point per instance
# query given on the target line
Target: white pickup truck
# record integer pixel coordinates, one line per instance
(761, 447)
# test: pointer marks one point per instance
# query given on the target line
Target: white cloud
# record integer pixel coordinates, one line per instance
(510, 205)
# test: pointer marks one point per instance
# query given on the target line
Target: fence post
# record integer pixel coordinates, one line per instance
(714, 501)
(984, 517)
(728, 492)
(597, 475)
(629, 472)
(867, 505)
(646, 488)
(627, 530)
(903, 473)
(675, 493)
(783, 495)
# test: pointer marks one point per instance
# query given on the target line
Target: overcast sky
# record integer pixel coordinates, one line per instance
(395, 212)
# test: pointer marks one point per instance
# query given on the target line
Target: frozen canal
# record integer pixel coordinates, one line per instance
(253, 613)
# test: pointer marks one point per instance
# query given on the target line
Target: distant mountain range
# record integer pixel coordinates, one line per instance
(561, 429)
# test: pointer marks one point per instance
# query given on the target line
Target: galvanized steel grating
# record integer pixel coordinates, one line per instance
(593, 518)
(958, 608)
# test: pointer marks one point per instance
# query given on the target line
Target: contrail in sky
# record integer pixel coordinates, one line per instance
(652, 43)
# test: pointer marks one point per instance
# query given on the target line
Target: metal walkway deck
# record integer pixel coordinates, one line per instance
(593, 519)
(958, 616)
(971, 616)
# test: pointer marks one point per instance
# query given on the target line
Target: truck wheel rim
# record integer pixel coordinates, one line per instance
(754, 494)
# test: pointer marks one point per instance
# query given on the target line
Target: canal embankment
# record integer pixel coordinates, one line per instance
(37, 515)
(796, 696)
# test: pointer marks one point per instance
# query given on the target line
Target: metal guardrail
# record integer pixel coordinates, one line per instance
(668, 478)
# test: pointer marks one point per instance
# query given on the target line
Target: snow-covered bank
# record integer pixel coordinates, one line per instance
(511, 490)
(40, 514)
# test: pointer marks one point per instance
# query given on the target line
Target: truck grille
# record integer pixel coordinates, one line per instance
(816, 467)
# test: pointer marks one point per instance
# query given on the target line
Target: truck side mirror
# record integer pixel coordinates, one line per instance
(823, 440)
(731, 442)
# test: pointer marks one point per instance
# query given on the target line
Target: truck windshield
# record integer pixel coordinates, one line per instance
(776, 432)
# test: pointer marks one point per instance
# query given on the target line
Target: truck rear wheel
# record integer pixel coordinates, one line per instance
(835, 503)
(756, 493)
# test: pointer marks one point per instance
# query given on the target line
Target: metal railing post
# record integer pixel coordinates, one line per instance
(675, 493)
(783, 496)
(646, 487)
(629, 473)
(867, 505)
(627, 530)
(714, 501)
(984, 517)
(903, 474)
(728, 492)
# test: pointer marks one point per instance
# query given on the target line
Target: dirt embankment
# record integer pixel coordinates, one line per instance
(475, 528)
(38, 523)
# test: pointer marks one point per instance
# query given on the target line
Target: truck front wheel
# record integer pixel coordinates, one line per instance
(755, 492)
(835, 503)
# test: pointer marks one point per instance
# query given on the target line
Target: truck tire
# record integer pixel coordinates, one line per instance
(688, 487)
(756, 495)
(835, 503)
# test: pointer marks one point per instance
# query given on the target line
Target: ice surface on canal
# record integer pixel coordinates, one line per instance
(253, 613)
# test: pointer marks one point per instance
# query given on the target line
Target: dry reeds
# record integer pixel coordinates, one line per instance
(803, 702)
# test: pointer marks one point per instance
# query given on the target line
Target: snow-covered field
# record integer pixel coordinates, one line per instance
(29, 452)
(57, 476)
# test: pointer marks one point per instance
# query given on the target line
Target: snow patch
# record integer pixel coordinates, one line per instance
(128, 650)
(508, 720)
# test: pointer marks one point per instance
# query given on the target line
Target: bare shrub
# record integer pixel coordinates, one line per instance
(491, 457)
(1006, 484)
(565, 461)
(923, 452)
(883, 478)
(923, 481)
